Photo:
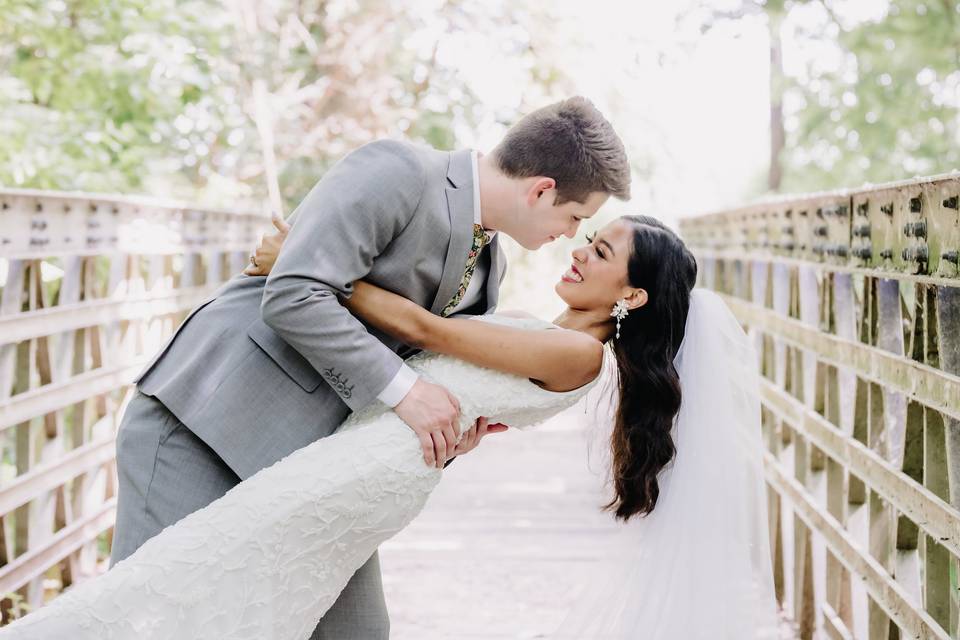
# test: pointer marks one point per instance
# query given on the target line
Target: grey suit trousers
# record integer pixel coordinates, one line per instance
(166, 472)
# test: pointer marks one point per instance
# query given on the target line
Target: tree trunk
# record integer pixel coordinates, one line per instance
(262, 113)
(263, 117)
(777, 133)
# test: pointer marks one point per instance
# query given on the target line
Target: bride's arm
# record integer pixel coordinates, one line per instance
(560, 360)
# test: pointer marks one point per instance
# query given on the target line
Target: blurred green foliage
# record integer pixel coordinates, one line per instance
(90, 89)
(215, 102)
(244, 103)
(869, 90)
(891, 108)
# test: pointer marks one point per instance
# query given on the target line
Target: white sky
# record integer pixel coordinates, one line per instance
(692, 107)
(698, 118)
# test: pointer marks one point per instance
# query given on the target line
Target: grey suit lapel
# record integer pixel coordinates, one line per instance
(460, 205)
(493, 279)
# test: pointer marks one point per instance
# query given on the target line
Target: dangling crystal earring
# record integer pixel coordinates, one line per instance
(619, 312)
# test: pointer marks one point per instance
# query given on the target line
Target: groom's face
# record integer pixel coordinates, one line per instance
(542, 221)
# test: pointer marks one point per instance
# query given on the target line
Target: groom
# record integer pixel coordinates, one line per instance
(269, 365)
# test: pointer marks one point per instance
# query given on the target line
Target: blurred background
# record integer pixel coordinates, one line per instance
(244, 104)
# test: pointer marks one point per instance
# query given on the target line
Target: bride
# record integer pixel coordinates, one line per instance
(270, 557)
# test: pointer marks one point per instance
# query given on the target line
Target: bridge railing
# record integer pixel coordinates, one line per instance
(90, 286)
(853, 299)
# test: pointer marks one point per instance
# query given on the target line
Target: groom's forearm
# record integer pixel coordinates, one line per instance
(343, 224)
(354, 363)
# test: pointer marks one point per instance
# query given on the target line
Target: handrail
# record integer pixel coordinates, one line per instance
(92, 284)
(853, 299)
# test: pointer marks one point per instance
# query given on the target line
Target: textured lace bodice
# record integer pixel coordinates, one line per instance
(502, 397)
(271, 556)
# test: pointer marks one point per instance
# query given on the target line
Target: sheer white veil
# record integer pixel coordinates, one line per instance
(699, 565)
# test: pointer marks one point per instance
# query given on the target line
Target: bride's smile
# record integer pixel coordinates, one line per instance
(572, 275)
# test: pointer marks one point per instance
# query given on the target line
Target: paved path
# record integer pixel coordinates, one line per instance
(505, 542)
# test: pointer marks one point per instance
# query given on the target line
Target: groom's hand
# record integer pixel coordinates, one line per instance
(432, 412)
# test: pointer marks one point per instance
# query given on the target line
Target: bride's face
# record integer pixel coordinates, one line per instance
(597, 277)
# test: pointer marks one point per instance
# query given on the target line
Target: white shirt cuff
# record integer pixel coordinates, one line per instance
(399, 387)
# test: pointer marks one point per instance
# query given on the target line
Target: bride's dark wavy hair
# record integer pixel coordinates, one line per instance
(648, 384)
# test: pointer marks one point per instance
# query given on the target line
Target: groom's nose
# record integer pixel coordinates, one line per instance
(572, 229)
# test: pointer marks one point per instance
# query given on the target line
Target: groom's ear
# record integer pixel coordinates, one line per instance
(538, 187)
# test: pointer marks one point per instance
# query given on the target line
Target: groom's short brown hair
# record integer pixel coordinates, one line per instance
(571, 142)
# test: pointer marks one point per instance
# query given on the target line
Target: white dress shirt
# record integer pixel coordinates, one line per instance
(401, 384)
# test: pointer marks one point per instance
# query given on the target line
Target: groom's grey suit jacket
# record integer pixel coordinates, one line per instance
(269, 365)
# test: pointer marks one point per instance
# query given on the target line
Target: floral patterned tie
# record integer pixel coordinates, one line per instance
(480, 240)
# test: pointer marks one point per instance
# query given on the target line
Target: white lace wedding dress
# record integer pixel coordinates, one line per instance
(271, 556)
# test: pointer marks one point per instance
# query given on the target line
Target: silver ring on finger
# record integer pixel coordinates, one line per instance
(253, 260)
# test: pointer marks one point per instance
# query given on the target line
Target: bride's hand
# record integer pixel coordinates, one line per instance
(262, 259)
(472, 438)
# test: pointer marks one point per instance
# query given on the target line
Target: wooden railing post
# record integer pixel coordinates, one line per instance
(859, 334)
(91, 287)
